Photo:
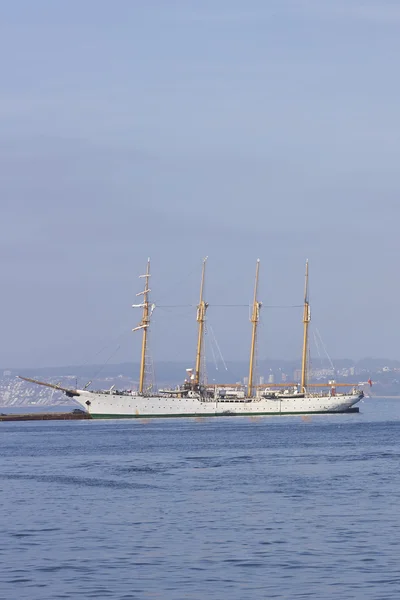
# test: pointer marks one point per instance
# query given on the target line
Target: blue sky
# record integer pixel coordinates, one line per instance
(188, 128)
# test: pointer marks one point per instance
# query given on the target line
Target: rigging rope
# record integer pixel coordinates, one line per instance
(325, 350)
(317, 347)
(218, 348)
(116, 338)
(105, 363)
(231, 305)
(212, 347)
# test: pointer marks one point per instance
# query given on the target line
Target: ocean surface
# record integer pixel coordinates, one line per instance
(203, 509)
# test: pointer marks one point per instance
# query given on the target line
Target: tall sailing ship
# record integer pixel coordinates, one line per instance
(193, 398)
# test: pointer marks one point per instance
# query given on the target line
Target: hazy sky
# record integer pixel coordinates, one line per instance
(181, 128)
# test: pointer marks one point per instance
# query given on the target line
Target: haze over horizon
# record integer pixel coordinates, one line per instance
(184, 129)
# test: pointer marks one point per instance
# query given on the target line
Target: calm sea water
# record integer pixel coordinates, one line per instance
(273, 507)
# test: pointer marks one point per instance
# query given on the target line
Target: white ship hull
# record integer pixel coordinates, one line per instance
(110, 406)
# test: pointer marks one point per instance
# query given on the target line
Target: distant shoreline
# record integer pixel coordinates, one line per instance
(382, 397)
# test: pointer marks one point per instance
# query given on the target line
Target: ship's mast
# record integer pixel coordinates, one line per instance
(144, 323)
(306, 322)
(201, 317)
(255, 316)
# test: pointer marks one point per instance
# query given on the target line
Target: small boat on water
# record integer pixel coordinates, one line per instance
(194, 398)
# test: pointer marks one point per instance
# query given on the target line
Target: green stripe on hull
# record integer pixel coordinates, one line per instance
(249, 414)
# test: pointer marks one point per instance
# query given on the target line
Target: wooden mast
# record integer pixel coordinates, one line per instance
(201, 317)
(254, 319)
(144, 324)
(306, 322)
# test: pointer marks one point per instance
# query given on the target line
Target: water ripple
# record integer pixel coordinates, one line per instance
(172, 510)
